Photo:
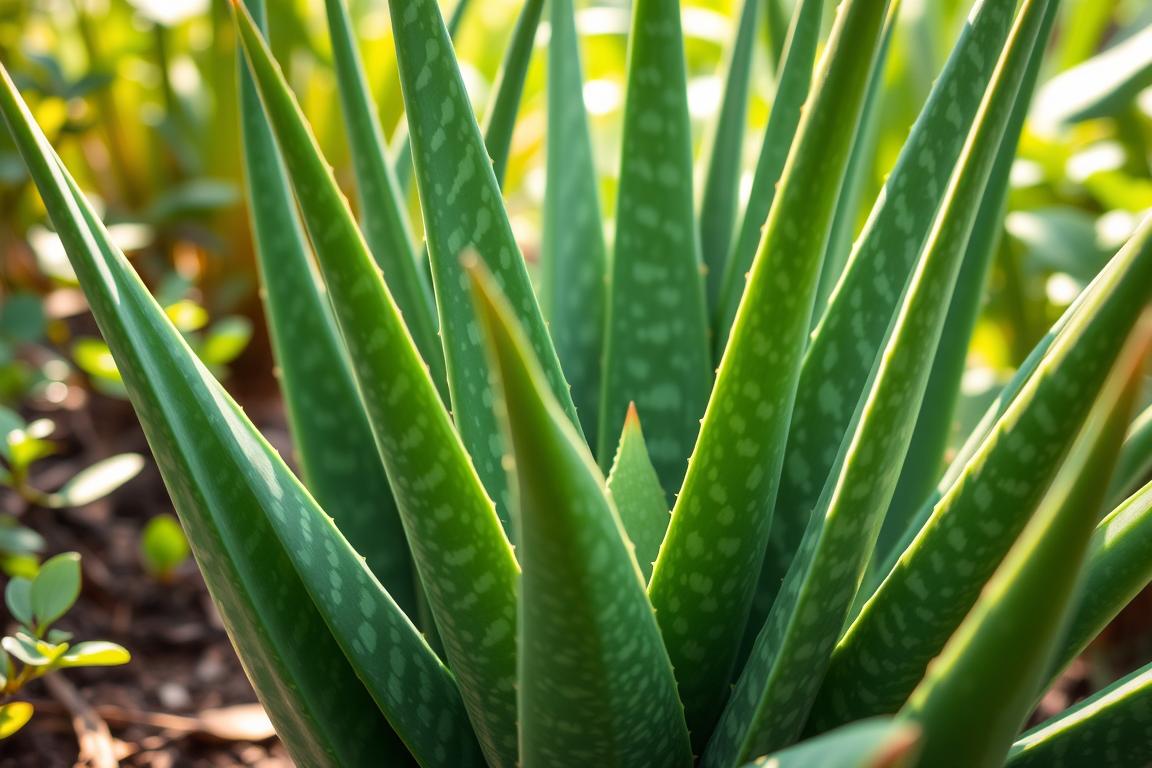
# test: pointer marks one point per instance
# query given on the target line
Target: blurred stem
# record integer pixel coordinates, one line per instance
(109, 116)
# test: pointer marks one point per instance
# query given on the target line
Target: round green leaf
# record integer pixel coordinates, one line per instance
(18, 597)
(95, 653)
(225, 341)
(22, 317)
(98, 480)
(56, 587)
(163, 545)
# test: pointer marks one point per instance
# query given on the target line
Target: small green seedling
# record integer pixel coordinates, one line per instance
(163, 547)
(37, 648)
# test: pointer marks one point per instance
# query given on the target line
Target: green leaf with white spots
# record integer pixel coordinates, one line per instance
(721, 196)
(1110, 729)
(702, 592)
(792, 89)
(330, 429)
(463, 211)
(851, 334)
(636, 492)
(1116, 571)
(875, 743)
(500, 123)
(384, 220)
(573, 254)
(463, 558)
(783, 674)
(981, 688)
(595, 683)
(302, 609)
(938, 577)
(925, 459)
(656, 349)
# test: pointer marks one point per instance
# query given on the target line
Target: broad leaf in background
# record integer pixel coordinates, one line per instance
(580, 590)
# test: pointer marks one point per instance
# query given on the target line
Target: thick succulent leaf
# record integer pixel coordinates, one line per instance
(1101, 86)
(857, 178)
(792, 88)
(768, 708)
(1117, 570)
(848, 340)
(705, 575)
(721, 196)
(922, 466)
(303, 610)
(1135, 463)
(875, 743)
(573, 255)
(464, 560)
(1110, 729)
(384, 219)
(500, 123)
(636, 491)
(981, 688)
(656, 350)
(595, 683)
(939, 576)
(350, 484)
(463, 210)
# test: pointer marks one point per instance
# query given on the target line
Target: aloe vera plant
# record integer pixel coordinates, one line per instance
(534, 526)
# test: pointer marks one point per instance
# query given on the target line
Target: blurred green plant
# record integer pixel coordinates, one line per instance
(163, 547)
(37, 648)
(466, 502)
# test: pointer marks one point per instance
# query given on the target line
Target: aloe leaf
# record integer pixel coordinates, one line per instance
(939, 576)
(656, 348)
(721, 196)
(1136, 458)
(267, 551)
(573, 259)
(925, 459)
(792, 88)
(610, 697)
(384, 219)
(1116, 571)
(351, 484)
(500, 123)
(636, 491)
(876, 743)
(849, 338)
(1108, 729)
(727, 494)
(462, 556)
(981, 688)
(1099, 87)
(463, 210)
(773, 695)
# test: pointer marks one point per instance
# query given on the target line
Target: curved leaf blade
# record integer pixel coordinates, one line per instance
(636, 492)
(500, 124)
(875, 743)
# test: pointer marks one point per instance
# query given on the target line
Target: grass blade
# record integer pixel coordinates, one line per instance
(1108, 730)
(441, 501)
(352, 485)
(463, 210)
(501, 121)
(921, 599)
(255, 530)
(384, 219)
(849, 338)
(608, 697)
(772, 698)
(875, 743)
(791, 92)
(979, 691)
(731, 481)
(637, 494)
(656, 350)
(721, 197)
(1136, 458)
(573, 258)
